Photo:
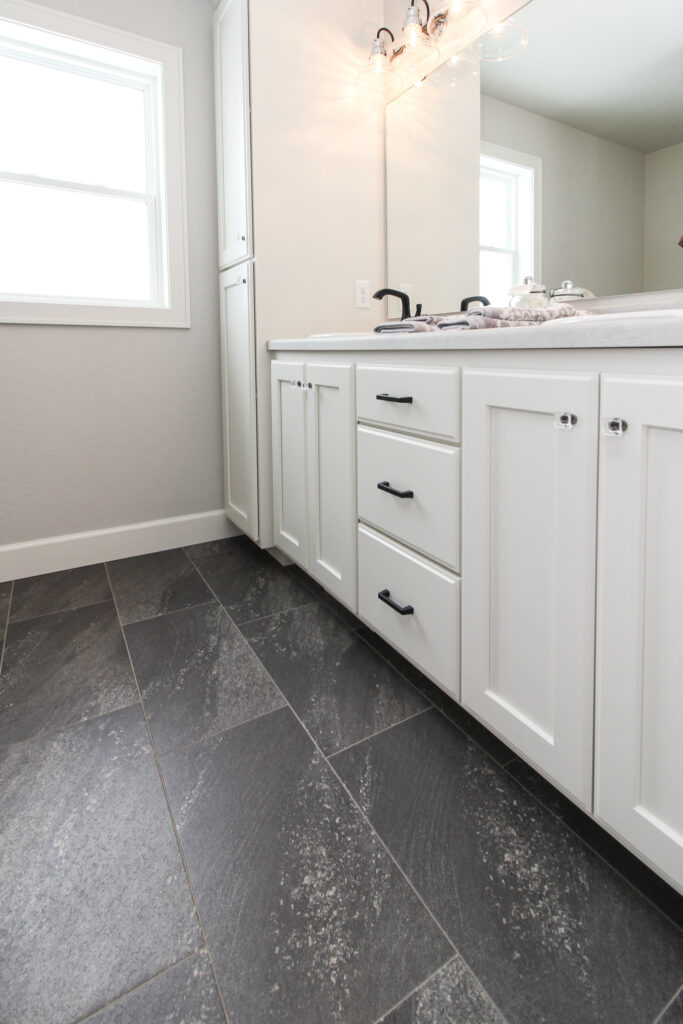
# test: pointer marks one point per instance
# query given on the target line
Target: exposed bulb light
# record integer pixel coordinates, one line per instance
(463, 19)
(504, 40)
(416, 48)
(373, 79)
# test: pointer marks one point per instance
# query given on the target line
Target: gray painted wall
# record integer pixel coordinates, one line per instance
(593, 199)
(101, 427)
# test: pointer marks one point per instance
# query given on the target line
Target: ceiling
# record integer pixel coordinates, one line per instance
(610, 67)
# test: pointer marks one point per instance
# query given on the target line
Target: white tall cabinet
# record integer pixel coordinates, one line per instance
(639, 666)
(236, 280)
(528, 564)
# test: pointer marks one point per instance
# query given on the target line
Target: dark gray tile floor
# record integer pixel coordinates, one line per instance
(220, 794)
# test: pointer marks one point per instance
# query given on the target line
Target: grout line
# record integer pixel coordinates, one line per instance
(220, 732)
(386, 728)
(660, 1016)
(6, 626)
(283, 611)
(170, 812)
(173, 611)
(417, 988)
(136, 988)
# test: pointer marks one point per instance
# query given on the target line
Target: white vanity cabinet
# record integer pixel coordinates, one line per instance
(408, 508)
(314, 469)
(528, 556)
(639, 665)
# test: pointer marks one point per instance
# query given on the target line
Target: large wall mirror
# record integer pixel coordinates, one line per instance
(563, 162)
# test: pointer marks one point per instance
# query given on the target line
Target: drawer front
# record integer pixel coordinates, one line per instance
(430, 519)
(431, 399)
(430, 636)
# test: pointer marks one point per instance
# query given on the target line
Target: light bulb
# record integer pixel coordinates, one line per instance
(373, 79)
(418, 51)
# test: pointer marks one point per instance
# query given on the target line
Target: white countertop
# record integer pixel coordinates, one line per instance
(663, 329)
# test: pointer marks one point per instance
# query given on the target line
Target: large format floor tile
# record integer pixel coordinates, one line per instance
(342, 690)
(186, 994)
(307, 917)
(59, 592)
(149, 585)
(247, 581)
(197, 675)
(452, 996)
(552, 933)
(61, 669)
(95, 898)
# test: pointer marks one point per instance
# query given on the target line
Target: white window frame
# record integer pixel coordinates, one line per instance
(526, 162)
(170, 305)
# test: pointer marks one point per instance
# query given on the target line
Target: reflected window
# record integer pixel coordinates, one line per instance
(508, 198)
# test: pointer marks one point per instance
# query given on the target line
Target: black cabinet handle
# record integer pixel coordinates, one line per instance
(403, 399)
(385, 595)
(386, 486)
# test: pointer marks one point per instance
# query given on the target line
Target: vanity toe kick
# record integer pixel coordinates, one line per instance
(413, 603)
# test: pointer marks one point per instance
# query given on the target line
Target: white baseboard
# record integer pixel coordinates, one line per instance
(51, 554)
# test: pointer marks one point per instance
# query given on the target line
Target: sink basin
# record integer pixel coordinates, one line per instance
(636, 314)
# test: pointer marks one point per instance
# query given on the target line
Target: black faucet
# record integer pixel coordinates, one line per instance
(405, 301)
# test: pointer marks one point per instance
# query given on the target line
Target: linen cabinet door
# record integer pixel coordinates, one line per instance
(233, 131)
(289, 458)
(238, 370)
(332, 502)
(529, 477)
(639, 706)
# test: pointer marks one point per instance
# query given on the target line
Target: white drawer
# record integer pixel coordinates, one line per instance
(430, 519)
(431, 399)
(430, 636)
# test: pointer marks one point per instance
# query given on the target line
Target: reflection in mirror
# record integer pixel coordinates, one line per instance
(589, 118)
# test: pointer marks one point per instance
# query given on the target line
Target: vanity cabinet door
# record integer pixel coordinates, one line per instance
(639, 668)
(289, 459)
(233, 131)
(529, 477)
(331, 478)
(238, 371)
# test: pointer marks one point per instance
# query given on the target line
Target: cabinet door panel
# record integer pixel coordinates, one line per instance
(330, 448)
(239, 399)
(233, 131)
(289, 459)
(528, 563)
(639, 704)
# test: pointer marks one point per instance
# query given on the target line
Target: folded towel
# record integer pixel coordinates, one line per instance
(539, 314)
(469, 322)
(414, 325)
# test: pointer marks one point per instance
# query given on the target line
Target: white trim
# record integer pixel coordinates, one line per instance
(515, 156)
(52, 554)
(172, 174)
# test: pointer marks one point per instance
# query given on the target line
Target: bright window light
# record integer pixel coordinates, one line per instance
(508, 245)
(87, 233)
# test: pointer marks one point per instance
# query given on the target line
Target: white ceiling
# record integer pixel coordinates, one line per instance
(610, 67)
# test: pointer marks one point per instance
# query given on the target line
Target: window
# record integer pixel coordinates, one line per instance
(92, 205)
(509, 221)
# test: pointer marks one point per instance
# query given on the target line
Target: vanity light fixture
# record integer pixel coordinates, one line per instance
(373, 78)
(504, 40)
(416, 48)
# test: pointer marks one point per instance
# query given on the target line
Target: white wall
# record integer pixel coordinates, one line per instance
(101, 427)
(664, 218)
(593, 199)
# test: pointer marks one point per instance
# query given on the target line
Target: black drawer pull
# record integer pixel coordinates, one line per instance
(386, 486)
(403, 399)
(385, 595)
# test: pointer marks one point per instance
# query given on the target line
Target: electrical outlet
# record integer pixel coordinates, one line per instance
(363, 295)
